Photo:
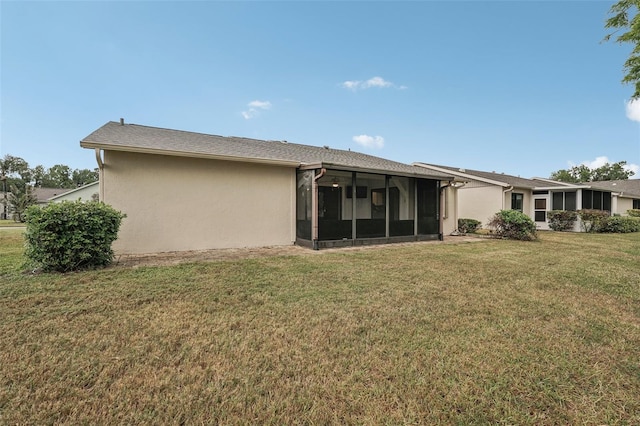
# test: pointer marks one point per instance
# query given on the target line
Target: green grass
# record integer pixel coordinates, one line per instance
(10, 223)
(491, 332)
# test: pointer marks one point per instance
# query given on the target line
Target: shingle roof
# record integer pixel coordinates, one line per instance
(630, 187)
(43, 194)
(508, 180)
(138, 138)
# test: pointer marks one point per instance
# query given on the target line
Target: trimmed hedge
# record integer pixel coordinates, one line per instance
(70, 236)
(514, 225)
(620, 224)
(468, 225)
(562, 220)
(634, 212)
(592, 219)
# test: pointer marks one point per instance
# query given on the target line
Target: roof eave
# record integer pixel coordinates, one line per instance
(141, 150)
(347, 168)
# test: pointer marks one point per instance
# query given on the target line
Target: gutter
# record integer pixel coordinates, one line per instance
(445, 214)
(504, 193)
(100, 174)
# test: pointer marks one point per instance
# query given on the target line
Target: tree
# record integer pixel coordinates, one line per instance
(84, 176)
(58, 176)
(625, 17)
(583, 173)
(11, 171)
(20, 199)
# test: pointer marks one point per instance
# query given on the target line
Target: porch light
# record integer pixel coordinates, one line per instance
(335, 183)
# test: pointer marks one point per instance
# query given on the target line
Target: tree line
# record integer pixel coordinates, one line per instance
(16, 171)
(582, 173)
(17, 181)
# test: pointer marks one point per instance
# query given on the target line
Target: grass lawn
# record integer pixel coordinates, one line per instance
(10, 223)
(491, 332)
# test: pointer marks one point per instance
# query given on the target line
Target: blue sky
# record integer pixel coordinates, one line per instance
(519, 87)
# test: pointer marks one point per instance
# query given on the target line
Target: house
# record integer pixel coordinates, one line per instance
(626, 194)
(86, 192)
(44, 194)
(190, 191)
(482, 194)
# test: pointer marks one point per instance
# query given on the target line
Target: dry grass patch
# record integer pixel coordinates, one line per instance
(489, 332)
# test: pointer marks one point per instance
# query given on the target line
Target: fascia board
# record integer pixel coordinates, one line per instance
(139, 150)
(462, 174)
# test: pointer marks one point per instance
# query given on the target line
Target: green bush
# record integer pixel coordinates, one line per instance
(514, 225)
(634, 212)
(591, 220)
(620, 224)
(69, 236)
(562, 220)
(468, 225)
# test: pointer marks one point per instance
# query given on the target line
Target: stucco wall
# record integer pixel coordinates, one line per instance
(480, 202)
(623, 204)
(178, 203)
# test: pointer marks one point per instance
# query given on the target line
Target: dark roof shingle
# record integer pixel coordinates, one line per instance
(138, 138)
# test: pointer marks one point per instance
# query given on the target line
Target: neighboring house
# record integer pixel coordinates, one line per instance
(626, 194)
(44, 194)
(483, 194)
(190, 191)
(86, 192)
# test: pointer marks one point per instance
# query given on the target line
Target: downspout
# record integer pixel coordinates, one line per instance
(443, 210)
(100, 174)
(314, 209)
(454, 186)
(504, 194)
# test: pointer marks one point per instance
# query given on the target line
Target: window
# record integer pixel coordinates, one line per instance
(540, 216)
(516, 201)
(540, 204)
(563, 201)
(557, 202)
(570, 201)
(378, 205)
(596, 200)
(636, 204)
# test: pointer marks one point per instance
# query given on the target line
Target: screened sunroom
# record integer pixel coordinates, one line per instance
(337, 208)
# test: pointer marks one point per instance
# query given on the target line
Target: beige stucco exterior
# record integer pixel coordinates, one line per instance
(480, 201)
(180, 203)
(622, 205)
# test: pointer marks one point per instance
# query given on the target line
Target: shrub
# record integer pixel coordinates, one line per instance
(591, 219)
(562, 220)
(468, 225)
(69, 236)
(514, 225)
(620, 224)
(634, 212)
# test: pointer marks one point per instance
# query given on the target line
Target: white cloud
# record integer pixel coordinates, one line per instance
(633, 110)
(351, 85)
(254, 108)
(376, 82)
(369, 141)
(372, 82)
(260, 104)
